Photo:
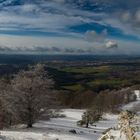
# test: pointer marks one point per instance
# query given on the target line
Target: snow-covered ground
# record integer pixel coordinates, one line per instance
(131, 106)
(59, 128)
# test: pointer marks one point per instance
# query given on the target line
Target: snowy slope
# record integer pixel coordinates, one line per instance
(58, 128)
(116, 133)
(131, 105)
(13, 135)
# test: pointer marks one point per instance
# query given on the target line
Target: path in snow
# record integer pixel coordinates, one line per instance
(131, 106)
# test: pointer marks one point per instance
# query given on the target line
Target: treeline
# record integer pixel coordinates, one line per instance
(82, 99)
(109, 100)
(26, 96)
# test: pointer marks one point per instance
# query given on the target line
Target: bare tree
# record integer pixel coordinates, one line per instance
(32, 93)
(6, 108)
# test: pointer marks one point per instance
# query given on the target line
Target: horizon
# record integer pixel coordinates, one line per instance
(39, 58)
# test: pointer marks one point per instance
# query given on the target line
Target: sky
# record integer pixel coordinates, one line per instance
(70, 26)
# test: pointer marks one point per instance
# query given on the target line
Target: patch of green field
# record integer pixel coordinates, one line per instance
(113, 83)
(76, 87)
(87, 70)
(99, 82)
(97, 78)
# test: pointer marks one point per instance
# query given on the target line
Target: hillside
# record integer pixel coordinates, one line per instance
(61, 128)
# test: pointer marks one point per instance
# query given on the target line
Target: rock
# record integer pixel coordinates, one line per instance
(73, 131)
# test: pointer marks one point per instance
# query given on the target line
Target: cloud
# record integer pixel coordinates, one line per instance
(125, 16)
(55, 49)
(120, 4)
(44, 50)
(93, 36)
(42, 24)
(53, 15)
(111, 44)
(5, 49)
(130, 18)
(28, 45)
(41, 43)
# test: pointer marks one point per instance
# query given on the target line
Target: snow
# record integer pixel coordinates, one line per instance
(137, 93)
(131, 106)
(59, 128)
(117, 135)
(12, 135)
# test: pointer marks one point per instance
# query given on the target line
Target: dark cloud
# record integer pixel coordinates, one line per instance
(83, 4)
(5, 49)
(101, 5)
(129, 17)
(41, 49)
(55, 49)
(97, 5)
(119, 4)
(69, 50)
(45, 50)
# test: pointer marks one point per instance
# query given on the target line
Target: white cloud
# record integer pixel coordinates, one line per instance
(92, 36)
(111, 44)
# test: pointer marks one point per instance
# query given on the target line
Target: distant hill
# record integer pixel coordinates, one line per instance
(18, 59)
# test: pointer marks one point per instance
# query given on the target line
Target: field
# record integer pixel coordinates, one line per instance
(75, 73)
(96, 78)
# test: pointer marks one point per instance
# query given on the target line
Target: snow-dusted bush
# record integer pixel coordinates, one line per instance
(91, 116)
(127, 128)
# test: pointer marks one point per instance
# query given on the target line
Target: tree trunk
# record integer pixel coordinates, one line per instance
(30, 122)
(87, 125)
(29, 125)
(30, 119)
